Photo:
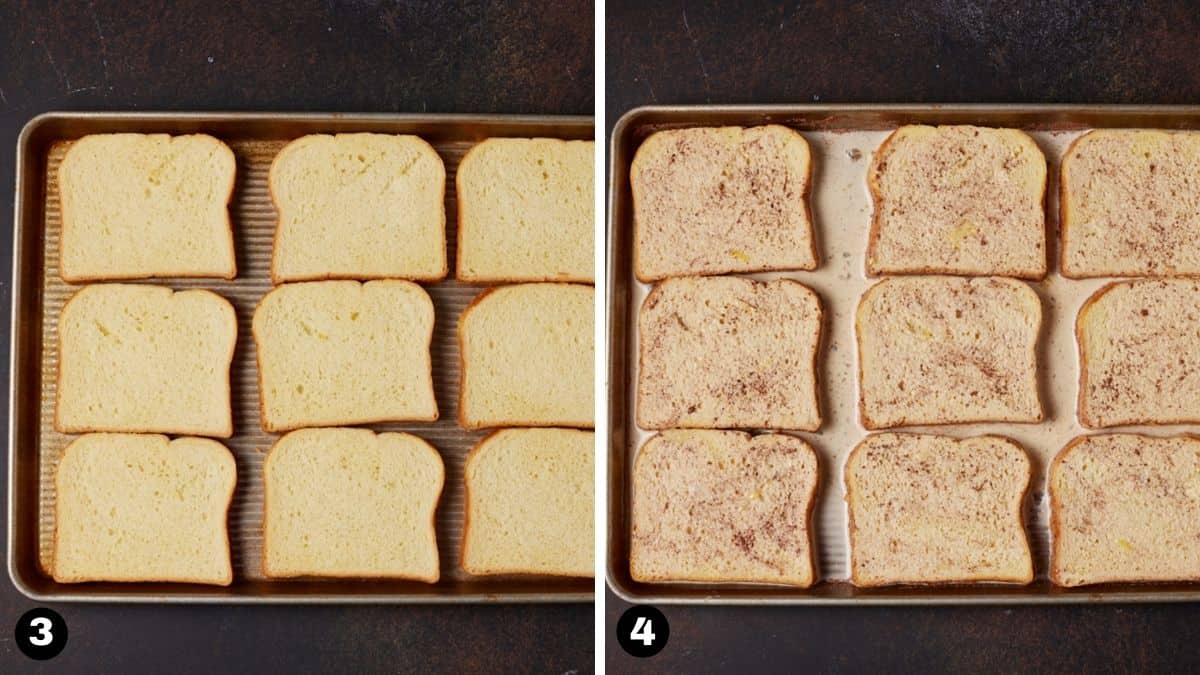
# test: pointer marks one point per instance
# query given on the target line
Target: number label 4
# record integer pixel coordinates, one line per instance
(642, 630)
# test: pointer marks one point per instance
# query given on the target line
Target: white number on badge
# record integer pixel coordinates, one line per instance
(642, 631)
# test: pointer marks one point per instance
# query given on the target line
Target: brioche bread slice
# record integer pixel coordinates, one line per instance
(351, 503)
(1130, 204)
(526, 211)
(958, 200)
(722, 199)
(344, 352)
(358, 206)
(928, 509)
(531, 503)
(1139, 350)
(946, 350)
(1125, 507)
(136, 206)
(143, 358)
(724, 506)
(134, 507)
(728, 352)
(528, 357)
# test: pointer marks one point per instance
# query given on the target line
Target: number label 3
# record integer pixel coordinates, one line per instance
(41, 633)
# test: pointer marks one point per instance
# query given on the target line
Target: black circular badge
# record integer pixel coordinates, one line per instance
(41, 633)
(643, 631)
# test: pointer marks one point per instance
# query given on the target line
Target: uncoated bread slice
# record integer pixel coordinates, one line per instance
(351, 503)
(359, 206)
(928, 509)
(526, 211)
(531, 503)
(1139, 350)
(141, 358)
(945, 350)
(727, 352)
(724, 506)
(712, 200)
(958, 200)
(146, 205)
(133, 507)
(528, 357)
(344, 352)
(1125, 507)
(1130, 204)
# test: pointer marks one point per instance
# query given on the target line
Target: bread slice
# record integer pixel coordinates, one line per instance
(145, 358)
(528, 357)
(728, 352)
(1129, 204)
(1139, 351)
(351, 503)
(947, 350)
(958, 200)
(344, 352)
(723, 506)
(526, 211)
(722, 199)
(359, 206)
(531, 503)
(1125, 507)
(132, 507)
(928, 509)
(136, 206)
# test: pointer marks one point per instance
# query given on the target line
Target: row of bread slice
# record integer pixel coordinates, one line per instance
(952, 199)
(143, 358)
(350, 206)
(723, 506)
(337, 503)
(731, 352)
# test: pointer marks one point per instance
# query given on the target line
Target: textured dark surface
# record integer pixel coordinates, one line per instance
(953, 51)
(363, 55)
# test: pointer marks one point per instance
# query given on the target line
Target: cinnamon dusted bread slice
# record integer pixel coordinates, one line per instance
(958, 200)
(928, 509)
(728, 352)
(724, 506)
(1125, 507)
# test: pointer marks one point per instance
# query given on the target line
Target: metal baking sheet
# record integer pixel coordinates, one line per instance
(34, 445)
(843, 139)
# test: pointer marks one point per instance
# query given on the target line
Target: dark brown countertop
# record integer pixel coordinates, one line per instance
(353, 55)
(950, 51)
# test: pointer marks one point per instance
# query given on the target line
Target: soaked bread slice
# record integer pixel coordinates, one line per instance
(1130, 204)
(724, 506)
(958, 200)
(722, 199)
(727, 352)
(928, 509)
(1125, 507)
(946, 350)
(1139, 349)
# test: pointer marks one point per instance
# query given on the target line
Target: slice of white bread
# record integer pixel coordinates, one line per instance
(1125, 507)
(141, 358)
(728, 352)
(351, 503)
(722, 199)
(531, 503)
(359, 206)
(947, 350)
(343, 352)
(528, 357)
(136, 206)
(1130, 204)
(928, 509)
(958, 200)
(1139, 351)
(723, 506)
(526, 211)
(134, 507)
